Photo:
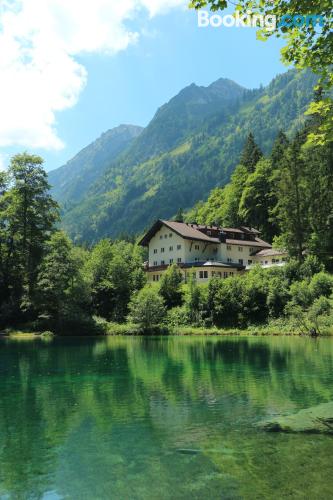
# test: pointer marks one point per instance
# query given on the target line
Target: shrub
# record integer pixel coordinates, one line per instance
(147, 309)
(321, 285)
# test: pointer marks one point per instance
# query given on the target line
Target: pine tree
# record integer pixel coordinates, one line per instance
(292, 207)
(251, 153)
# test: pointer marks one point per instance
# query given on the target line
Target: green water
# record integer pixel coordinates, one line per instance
(161, 418)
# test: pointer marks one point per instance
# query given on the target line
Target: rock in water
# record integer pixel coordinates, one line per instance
(317, 419)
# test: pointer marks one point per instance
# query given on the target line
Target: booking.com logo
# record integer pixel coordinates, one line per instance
(270, 22)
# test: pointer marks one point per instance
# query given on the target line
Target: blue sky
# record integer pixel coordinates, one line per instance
(129, 85)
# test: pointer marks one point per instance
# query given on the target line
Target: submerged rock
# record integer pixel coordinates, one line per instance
(317, 419)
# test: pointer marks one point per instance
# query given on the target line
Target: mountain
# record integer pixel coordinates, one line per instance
(72, 181)
(192, 145)
(183, 115)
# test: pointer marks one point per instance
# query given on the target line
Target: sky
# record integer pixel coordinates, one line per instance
(72, 69)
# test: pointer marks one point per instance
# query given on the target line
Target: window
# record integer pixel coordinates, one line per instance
(155, 250)
(225, 274)
(165, 236)
(179, 247)
(219, 274)
(213, 273)
(155, 262)
(194, 274)
(240, 249)
(162, 250)
(266, 262)
(205, 274)
(162, 262)
(201, 275)
(170, 249)
(229, 259)
(249, 262)
(242, 236)
(179, 259)
(240, 261)
(170, 235)
(228, 248)
(196, 259)
(209, 233)
(171, 261)
(196, 247)
(161, 236)
(231, 274)
(154, 277)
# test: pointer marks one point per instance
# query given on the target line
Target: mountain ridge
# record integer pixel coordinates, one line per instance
(161, 171)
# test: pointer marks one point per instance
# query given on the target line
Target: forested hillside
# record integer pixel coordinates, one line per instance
(71, 182)
(191, 146)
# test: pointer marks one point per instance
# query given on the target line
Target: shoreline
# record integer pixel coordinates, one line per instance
(128, 330)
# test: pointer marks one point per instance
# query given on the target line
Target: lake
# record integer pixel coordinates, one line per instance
(162, 418)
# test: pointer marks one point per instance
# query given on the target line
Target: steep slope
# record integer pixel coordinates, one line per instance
(163, 171)
(71, 182)
(183, 115)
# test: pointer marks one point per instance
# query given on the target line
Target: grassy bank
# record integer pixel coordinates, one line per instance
(277, 328)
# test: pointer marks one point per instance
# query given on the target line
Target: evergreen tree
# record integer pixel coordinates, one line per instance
(258, 198)
(292, 207)
(179, 217)
(279, 148)
(251, 154)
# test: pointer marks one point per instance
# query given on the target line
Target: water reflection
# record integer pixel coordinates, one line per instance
(161, 418)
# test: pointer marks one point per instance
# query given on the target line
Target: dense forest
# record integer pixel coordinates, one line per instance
(48, 283)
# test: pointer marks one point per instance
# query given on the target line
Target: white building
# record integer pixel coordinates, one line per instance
(205, 251)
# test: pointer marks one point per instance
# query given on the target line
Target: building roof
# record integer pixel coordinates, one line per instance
(257, 242)
(269, 252)
(187, 231)
(199, 232)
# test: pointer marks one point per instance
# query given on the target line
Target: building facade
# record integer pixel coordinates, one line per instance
(205, 251)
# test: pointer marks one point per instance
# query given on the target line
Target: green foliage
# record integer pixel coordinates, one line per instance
(115, 272)
(251, 154)
(147, 309)
(170, 286)
(27, 217)
(71, 182)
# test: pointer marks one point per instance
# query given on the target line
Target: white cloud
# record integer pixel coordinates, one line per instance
(39, 43)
